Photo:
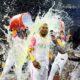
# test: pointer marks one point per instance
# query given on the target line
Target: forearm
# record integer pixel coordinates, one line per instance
(76, 51)
(51, 56)
(74, 59)
(30, 50)
(73, 52)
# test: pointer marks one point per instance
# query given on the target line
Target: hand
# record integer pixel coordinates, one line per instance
(36, 64)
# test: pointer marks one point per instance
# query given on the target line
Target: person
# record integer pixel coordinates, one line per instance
(60, 23)
(60, 58)
(17, 52)
(75, 74)
(75, 59)
(53, 48)
(21, 21)
(73, 49)
(40, 54)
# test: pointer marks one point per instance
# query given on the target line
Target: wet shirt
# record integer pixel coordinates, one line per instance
(41, 49)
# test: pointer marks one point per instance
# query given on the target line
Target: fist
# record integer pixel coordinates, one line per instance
(36, 64)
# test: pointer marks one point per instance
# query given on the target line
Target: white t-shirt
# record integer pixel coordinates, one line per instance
(41, 49)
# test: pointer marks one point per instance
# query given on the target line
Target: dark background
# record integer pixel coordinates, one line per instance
(13, 7)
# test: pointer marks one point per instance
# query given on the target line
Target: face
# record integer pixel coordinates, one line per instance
(23, 33)
(44, 30)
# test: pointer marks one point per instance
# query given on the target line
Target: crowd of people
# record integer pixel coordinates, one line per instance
(46, 55)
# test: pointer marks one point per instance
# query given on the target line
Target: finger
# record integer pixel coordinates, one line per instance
(39, 66)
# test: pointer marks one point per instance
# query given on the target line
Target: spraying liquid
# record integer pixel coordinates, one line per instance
(18, 47)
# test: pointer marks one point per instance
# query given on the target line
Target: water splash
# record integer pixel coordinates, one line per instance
(50, 18)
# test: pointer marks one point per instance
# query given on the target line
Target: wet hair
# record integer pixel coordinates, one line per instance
(44, 24)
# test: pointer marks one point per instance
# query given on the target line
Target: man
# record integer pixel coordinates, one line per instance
(17, 52)
(40, 54)
(75, 54)
(16, 55)
(60, 59)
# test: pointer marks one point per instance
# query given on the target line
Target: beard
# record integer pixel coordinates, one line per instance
(43, 35)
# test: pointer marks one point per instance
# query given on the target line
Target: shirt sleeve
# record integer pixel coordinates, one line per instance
(31, 48)
(33, 42)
